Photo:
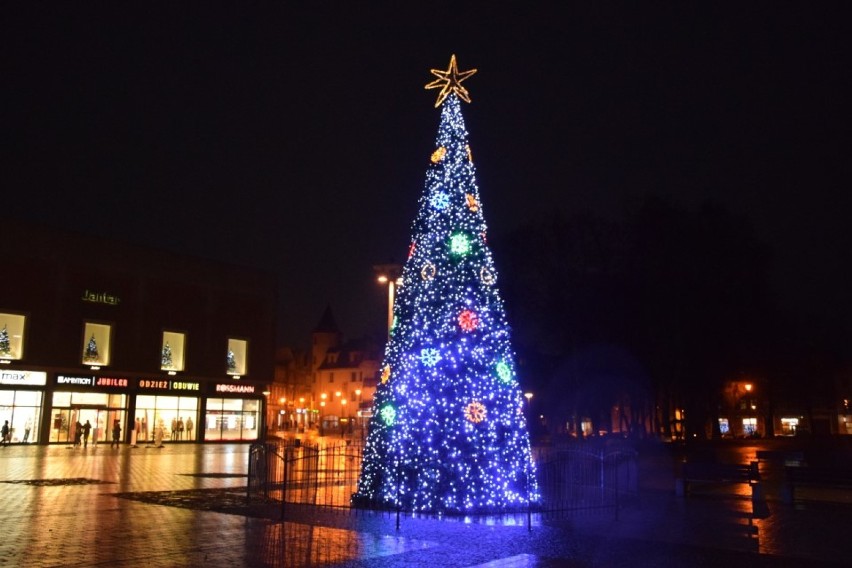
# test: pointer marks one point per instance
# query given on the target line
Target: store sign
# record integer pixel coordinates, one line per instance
(100, 298)
(165, 384)
(110, 382)
(75, 380)
(23, 378)
(232, 388)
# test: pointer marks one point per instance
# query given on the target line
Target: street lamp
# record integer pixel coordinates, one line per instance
(390, 274)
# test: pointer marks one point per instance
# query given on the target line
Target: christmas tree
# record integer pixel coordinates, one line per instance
(91, 355)
(448, 433)
(232, 362)
(166, 357)
(5, 346)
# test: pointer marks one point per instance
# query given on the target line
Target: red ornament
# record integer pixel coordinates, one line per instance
(468, 320)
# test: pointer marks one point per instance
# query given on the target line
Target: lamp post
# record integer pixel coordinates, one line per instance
(323, 396)
(390, 274)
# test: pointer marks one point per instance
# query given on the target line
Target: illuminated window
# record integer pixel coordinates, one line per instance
(237, 357)
(96, 344)
(724, 427)
(750, 426)
(789, 426)
(172, 351)
(12, 336)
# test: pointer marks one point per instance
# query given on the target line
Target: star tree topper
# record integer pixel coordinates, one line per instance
(450, 81)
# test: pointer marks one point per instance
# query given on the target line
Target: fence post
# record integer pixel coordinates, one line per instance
(248, 484)
(617, 502)
(284, 480)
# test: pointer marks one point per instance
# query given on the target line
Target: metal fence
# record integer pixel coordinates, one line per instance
(569, 478)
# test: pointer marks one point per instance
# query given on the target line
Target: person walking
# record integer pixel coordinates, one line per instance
(5, 432)
(116, 434)
(78, 433)
(87, 428)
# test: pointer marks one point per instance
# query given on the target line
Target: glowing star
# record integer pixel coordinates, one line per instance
(388, 414)
(504, 372)
(428, 271)
(475, 412)
(440, 200)
(438, 155)
(488, 277)
(471, 202)
(450, 81)
(430, 356)
(386, 374)
(459, 244)
(468, 320)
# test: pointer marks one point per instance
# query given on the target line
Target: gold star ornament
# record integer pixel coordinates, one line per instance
(450, 81)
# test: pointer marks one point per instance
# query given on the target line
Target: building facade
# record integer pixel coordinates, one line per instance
(328, 388)
(154, 346)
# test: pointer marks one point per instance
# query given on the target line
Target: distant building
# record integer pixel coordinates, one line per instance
(332, 387)
(115, 334)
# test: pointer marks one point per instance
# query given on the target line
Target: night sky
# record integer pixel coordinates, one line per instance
(296, 138)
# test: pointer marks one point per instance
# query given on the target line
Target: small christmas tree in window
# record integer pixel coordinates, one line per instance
(5, 346)
(91, 355)
(232, 362)
(166, 357)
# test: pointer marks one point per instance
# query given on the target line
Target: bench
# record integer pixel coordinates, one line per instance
(789, 458)
(816, 477)
(696, 473)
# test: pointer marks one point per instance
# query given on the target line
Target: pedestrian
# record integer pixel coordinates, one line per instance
(4, 432)
(116, 434)
(78, 433)
(87, 428)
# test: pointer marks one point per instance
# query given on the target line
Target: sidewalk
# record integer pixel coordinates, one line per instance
(183, 505)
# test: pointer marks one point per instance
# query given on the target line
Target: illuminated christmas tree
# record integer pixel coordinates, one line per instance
(91, 355)
(448, 433)
(5, 345)
(166, 357)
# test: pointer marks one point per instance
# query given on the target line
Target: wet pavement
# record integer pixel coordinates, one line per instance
(184, 505)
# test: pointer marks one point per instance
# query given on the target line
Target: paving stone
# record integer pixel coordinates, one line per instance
(184, 505)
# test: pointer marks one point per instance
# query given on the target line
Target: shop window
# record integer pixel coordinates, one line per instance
(172, 351)
(96, 344)
(237, 357)
(789, 426)
(750, 426)
(724, 426)
(12, 336)
(231, 419)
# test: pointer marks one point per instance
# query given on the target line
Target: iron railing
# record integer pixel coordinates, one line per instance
(571, 478)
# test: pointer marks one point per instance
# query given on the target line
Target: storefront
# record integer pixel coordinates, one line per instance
(21, 396)
(42, 408)
(233, 413)
(78, 399)
(172, 406)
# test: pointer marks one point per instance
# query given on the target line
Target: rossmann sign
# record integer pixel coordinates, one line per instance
(230, 388)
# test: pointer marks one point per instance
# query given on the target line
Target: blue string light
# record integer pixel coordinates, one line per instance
(448, 434)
